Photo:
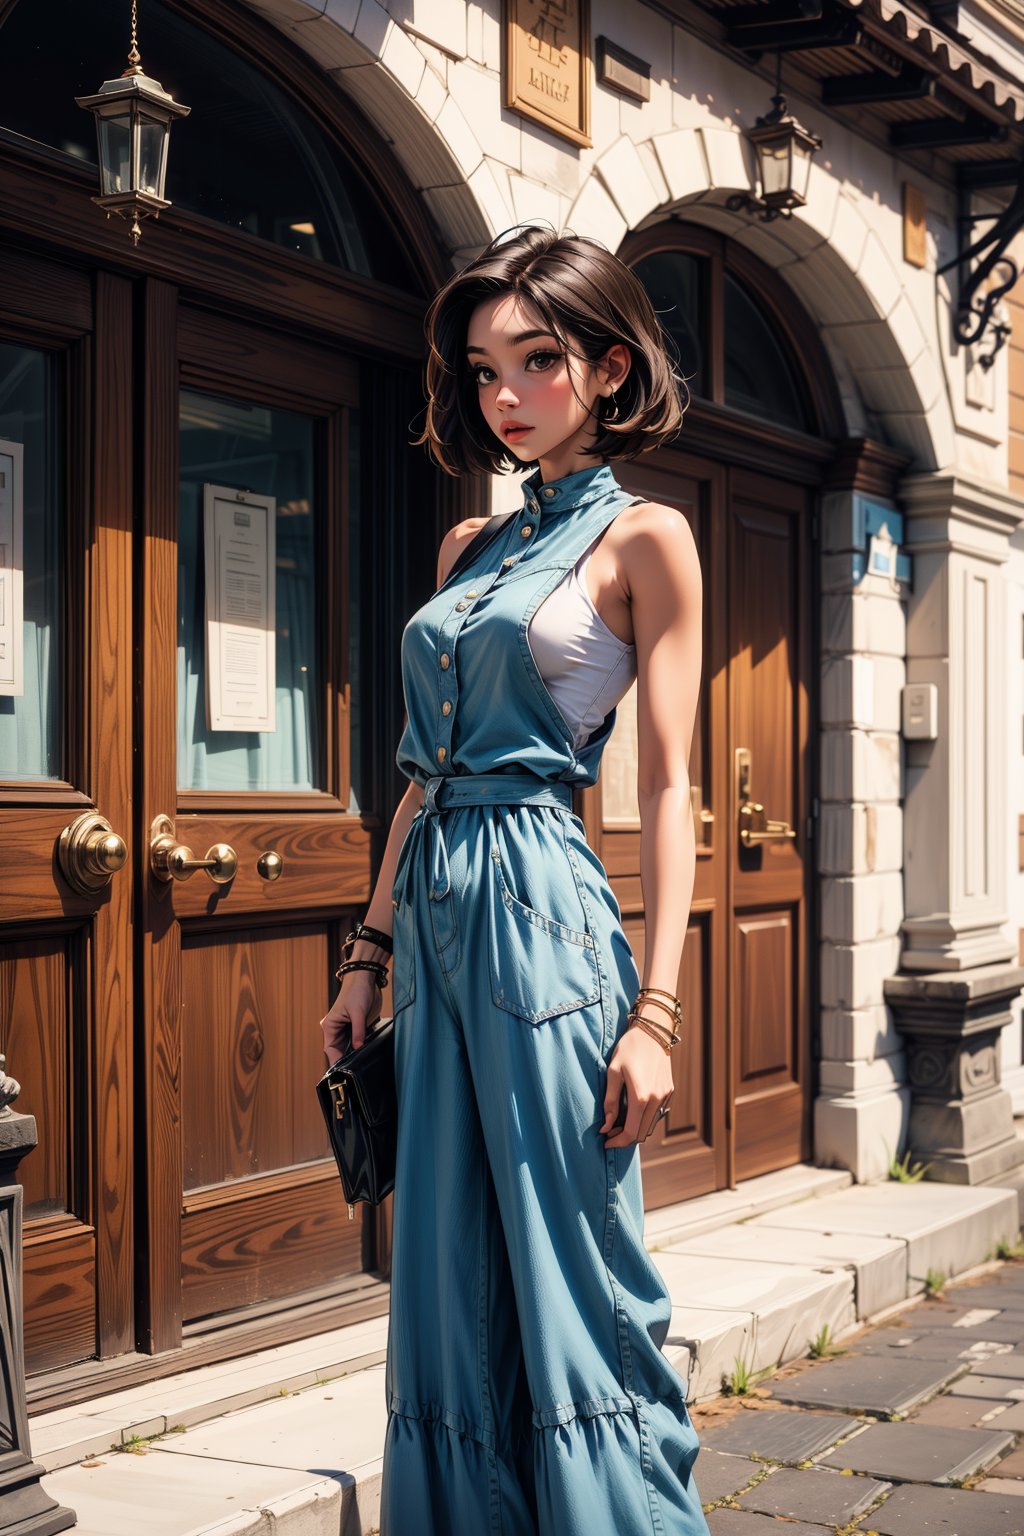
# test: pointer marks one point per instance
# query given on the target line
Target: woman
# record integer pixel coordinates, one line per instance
(526, 1387)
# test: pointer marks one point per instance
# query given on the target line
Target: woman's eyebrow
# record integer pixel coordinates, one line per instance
(517, 341)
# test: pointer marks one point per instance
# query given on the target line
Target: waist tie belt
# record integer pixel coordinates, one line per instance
(445, 790)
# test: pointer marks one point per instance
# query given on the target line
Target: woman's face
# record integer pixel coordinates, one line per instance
(538, 401)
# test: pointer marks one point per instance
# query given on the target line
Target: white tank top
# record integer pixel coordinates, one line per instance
(586, 668)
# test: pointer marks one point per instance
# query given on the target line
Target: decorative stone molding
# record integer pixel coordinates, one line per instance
(961, 1118)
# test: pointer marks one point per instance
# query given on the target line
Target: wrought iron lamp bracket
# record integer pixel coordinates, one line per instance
(985, 270)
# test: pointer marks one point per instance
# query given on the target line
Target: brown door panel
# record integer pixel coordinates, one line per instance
(325, 862)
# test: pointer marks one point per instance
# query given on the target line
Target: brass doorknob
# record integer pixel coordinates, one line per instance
(89, 852)
(270, 865)
(171, 860)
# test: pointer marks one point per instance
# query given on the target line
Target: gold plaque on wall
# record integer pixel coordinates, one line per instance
(547, 64)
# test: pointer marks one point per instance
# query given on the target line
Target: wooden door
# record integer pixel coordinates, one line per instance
(742, 1098)
(66, 718)
(244, 1206)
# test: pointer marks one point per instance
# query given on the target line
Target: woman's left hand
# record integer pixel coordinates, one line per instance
(644, 1068)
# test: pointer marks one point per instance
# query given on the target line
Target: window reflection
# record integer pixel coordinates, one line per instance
(248, 155)
(270, 452)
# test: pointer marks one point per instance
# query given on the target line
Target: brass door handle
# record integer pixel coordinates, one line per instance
(89, 852)
(171, 860)
(270, 865)
(756, 827)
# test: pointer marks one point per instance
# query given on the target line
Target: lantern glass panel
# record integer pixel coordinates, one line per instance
(776, 167)
(152, 155)
(802, 155)
(115, 154)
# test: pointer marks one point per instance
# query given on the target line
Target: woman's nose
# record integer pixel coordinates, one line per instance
(506, 396)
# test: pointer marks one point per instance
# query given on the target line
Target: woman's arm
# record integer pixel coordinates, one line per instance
(661, 570)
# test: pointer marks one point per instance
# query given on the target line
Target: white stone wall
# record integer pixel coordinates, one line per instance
(1012, 1038)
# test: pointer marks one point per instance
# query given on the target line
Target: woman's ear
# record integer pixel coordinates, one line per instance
(614, 366)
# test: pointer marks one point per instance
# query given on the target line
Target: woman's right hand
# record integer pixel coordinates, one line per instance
(356, 1007)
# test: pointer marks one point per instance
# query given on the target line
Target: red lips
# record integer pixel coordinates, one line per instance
(514, 428)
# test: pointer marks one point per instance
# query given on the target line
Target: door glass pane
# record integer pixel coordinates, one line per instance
(676, 284)
(31, 513)
(758, 374)
(267, 452)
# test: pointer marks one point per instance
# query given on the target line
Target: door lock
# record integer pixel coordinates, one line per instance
(754, 825)
(171, 860)
(89, 852)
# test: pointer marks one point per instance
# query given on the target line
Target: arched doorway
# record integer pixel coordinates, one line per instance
(200, 425)
(744, 473)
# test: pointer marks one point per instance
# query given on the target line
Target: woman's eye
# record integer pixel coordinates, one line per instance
(480, 370)
(543, 360)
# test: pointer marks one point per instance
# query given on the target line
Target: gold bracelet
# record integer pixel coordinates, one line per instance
(655, 1002)
(677, 1006)
(668, 1034)
(643, 1024)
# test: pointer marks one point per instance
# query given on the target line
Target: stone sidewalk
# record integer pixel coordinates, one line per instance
(912, 1430)
(288, 1441)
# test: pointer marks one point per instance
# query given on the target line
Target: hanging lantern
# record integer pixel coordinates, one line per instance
(133, 124)
(784, 150)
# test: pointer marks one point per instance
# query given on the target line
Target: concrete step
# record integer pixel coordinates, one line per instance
(753, 1273)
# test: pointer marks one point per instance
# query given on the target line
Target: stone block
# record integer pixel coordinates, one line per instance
(853, 975)
(594, 213)
(534, 203)
(462, 142)
(728, 166)
(683, 162)
(859, 1077)
(813, 1495)
(911, 1510)
(859, 1034)
(478, 94)
(860, 1132)
(622, 172)
(920, 1453)
(865, 624)
(860, 765)
(859, 839)
(848, 691)
(855, 908)
(441, 22)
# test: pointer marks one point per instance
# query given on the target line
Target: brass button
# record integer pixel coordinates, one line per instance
(461, 607)
(548, 491)
(445, 660)
(526, 531)
(441, 754)
(446, 707)
(474, 593)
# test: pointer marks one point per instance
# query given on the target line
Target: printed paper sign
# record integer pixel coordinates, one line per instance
(239, 529)
(12, 649)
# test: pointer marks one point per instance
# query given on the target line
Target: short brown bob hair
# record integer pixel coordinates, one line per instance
(589, 300)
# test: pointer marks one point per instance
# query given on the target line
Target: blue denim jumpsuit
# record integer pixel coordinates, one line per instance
(527, 1391)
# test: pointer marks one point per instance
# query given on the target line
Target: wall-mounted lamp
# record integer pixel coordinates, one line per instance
(133, 124)
(784, 150)
(984, 266)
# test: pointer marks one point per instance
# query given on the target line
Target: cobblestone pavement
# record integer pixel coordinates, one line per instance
(911, 1431)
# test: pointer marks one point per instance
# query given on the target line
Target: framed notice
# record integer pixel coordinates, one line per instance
(547, 64)
(12, 590)
(238, 539)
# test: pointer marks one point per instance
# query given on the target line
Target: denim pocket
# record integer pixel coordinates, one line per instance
(540, 965)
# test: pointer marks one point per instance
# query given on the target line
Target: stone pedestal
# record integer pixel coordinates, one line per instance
(25, 1508)
(961, 1118)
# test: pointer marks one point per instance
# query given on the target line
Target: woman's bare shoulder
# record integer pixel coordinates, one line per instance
(454, 541)
(653, 539)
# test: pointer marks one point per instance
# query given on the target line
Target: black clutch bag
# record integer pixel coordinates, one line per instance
(360, 1105)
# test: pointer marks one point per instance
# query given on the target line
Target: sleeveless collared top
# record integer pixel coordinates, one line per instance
(475, 698)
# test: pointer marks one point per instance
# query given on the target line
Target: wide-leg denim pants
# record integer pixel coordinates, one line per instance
(527, 1389)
